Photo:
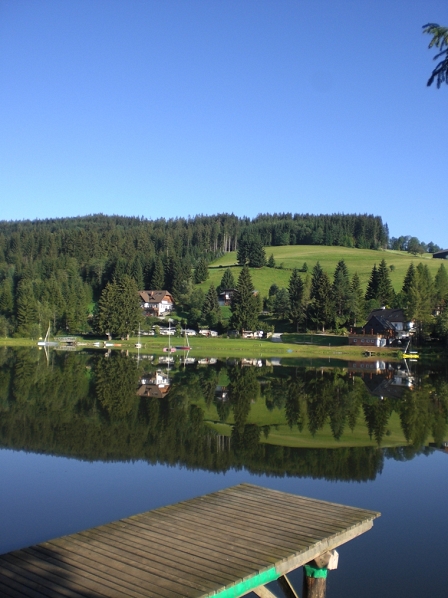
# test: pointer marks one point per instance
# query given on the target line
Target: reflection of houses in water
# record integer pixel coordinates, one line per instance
(155, 385)
(221, 393)
(166, 360)
(253, 362)
(383, 380)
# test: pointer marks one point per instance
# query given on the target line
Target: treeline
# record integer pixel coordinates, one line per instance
(320, 302)
(55, 270)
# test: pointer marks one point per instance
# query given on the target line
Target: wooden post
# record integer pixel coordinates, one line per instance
(315, 574)
(314, 587)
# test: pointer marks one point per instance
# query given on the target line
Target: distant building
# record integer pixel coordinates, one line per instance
(441, 255)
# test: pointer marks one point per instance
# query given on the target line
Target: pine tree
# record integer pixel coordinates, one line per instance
(211, 312)
(137, 272)
(201, 271)
(281, 304)
(409, 279)
(26, 308)
(357, 306)
(257, 254)
(441, 287)
(227, 281)
(385, 290)
(242, 254)
(373, 285)
(296, 297)
(341, 295)
(320, 309)
(158, 276)
(245, 305)
(271, 261)
(6, 297)
(119, 309)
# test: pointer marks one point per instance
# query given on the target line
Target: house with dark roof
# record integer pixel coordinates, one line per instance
(383, 327)
(441, 255)
(388, 320)
(156, 303)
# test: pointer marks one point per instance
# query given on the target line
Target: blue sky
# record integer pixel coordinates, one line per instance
(178, 107)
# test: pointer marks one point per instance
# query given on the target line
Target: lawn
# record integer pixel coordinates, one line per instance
(294, 256)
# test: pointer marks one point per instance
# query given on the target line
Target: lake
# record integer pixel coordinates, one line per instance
(89, 438)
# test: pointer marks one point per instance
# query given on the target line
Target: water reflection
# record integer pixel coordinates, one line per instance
(301, 420)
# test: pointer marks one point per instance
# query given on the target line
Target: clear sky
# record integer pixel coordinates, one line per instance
(178, 107)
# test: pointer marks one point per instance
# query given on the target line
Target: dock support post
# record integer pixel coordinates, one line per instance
(315, 574)
(314, 587)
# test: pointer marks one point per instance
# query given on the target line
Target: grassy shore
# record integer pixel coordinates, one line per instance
(294, 346)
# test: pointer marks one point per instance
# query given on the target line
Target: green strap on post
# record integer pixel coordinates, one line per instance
(315, 572)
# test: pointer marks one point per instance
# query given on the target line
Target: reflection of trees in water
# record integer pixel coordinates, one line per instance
(115, 382)
(243, 389)
(86, 406)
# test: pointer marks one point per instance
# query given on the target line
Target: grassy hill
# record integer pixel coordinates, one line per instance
(293, 256)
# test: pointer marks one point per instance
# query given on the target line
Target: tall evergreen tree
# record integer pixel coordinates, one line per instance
(341, 294)
(320, 309)
(6, 297)
(441, 287)
(373, 285)
(281, 304)
(257, 254)
(201, 271)
(296, 298)
(26, 308)
(385, 290)
(357, 307)
(245, 305)
(119, 309)
(158, 276)
(227, 281)
(211, 312)
(242, 254)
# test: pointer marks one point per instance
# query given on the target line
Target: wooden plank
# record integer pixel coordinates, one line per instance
(145, 548)
(223, 545)
(287, 587)
(166, 587)
(84, 566)
(263, 592)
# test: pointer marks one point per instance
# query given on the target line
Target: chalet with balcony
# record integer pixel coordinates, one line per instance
(156, 303)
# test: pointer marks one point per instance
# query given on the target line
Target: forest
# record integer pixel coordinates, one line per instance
(59, 270)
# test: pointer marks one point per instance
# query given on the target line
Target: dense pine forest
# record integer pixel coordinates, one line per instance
(56, 269)
(82, 274)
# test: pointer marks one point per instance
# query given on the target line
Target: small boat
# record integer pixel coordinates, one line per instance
(410, 354)
(185, 347)
(169, 349)
(46, 342)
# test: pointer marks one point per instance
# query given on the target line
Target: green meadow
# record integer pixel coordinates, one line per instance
(294, 256)
(281, 434)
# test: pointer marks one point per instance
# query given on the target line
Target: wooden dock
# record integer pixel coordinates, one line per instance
(224, 544)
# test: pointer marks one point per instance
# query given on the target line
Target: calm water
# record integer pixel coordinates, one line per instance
(88, 439)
